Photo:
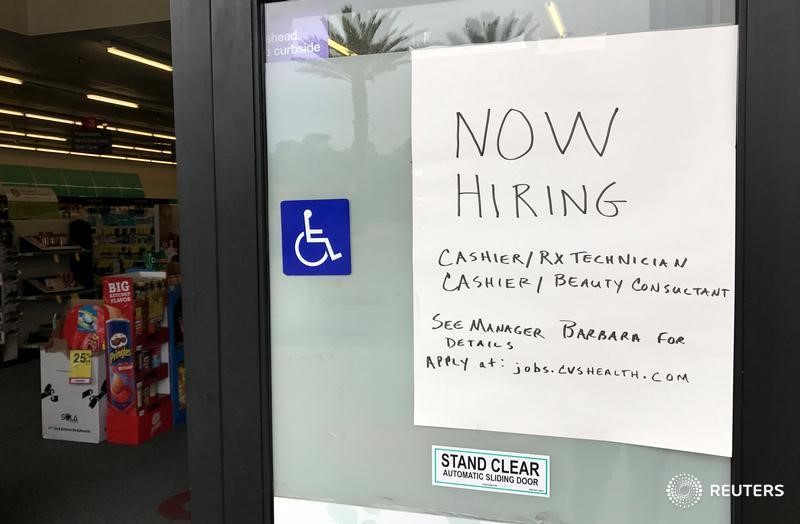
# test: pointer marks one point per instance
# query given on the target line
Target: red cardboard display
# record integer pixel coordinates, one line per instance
(127, 424)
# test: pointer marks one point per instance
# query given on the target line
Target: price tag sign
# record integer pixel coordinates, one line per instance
(80, 366)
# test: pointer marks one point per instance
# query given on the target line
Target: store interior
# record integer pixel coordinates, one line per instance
(92, 363)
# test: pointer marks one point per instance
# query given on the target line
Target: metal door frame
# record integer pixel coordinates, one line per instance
(218, 84)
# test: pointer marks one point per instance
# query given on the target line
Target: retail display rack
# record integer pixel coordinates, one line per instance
(177, 355)
(138, 357)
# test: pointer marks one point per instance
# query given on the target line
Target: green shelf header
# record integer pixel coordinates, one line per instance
(74, 183)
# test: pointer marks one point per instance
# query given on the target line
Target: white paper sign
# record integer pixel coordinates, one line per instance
(574, 228)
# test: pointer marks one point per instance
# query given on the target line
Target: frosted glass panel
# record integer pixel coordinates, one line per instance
(342, 345)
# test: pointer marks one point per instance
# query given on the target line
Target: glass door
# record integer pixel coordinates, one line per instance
(341, 204)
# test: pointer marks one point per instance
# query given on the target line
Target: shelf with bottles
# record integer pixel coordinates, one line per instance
(124, 226)
(46, 242)
(123, 237)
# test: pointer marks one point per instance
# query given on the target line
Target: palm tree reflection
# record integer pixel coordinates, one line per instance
(491, 28)
(368, 33)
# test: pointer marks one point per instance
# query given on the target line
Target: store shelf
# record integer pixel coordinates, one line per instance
(31, 254)
(161, 336)
(39, 247)
(50, 296)
(153, 375)
(38, 284)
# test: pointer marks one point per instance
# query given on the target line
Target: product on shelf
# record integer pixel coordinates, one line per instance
(123, 235)
(141, 407)
(176, 352)
(50, 239)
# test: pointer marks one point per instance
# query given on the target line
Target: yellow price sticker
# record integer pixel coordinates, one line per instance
(80, 366)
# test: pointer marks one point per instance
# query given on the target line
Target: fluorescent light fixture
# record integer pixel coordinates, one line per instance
(10, 79)
(93, 155)
(129, 131)
(139, 58)
(60, 120)
(339, 47)
(46, 137)
(46, 150)
(33, 135)
(147, 149)
(83, 154)
(115, 101)
(137, 148)
(49, 118)
(14, 146)
(555, 19)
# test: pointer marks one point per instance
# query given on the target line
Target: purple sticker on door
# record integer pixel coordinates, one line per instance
(303, 38)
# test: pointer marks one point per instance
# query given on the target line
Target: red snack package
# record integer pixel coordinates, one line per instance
(85, 327)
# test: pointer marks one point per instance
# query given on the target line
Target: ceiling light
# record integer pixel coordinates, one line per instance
(14, 146)
(45, 150)
(162, 162)
(83, 154)
(14, 133)
(555, 19)
(115, 101)
(146, 149)
(135, 159)
(46, 137)
(49, 118)
(129, 131)
(60, 120)
(115, 157)
(10, 79)
(139, 58)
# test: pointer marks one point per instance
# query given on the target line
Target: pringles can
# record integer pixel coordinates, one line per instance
(121, 365)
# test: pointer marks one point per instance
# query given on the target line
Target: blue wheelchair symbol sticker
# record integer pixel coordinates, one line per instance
(316, 237)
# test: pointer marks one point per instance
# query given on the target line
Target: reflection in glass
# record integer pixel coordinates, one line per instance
(371, 32)
(491, 28)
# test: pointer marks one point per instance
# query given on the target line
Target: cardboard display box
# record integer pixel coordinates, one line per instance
(75, 412)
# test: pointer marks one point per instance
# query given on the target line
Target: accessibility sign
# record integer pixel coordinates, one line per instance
(316, 237)
(484, 470)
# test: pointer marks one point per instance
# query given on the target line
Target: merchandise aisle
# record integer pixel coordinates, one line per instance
(80, 287)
